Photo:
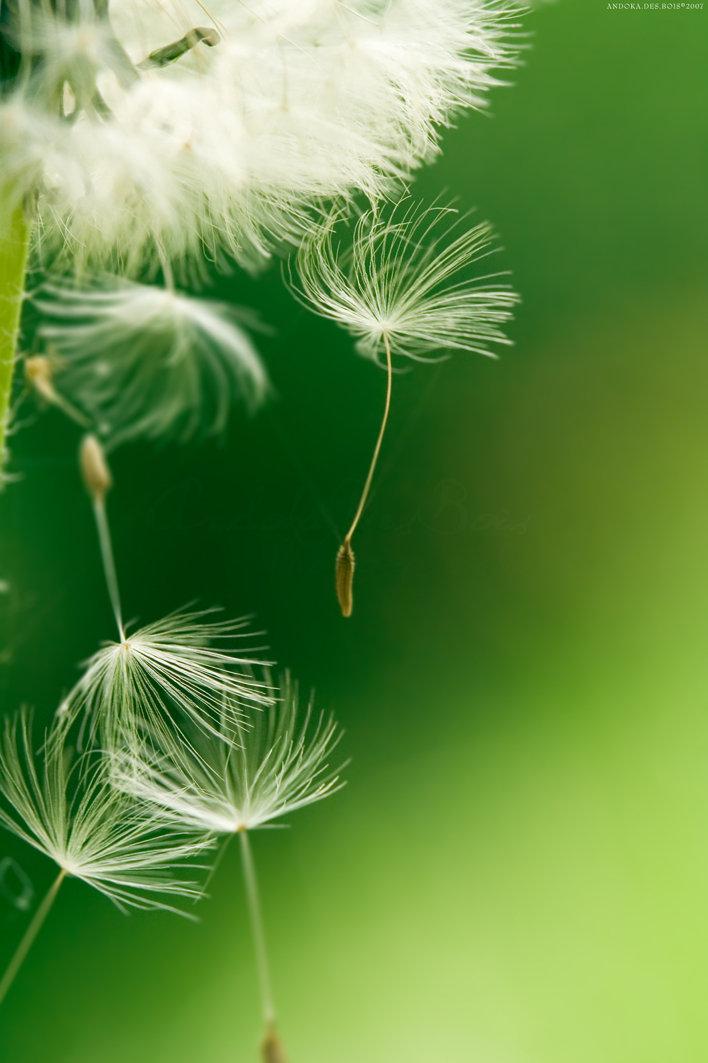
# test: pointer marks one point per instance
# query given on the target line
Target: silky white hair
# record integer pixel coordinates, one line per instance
(90, 830)
(275, 761)
(164, 675)
(144, 130)
(394, 281)
(144, 362)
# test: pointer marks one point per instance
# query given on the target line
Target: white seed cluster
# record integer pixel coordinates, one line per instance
(142, 130)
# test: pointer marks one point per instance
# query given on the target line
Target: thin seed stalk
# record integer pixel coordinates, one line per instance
(259, 942)
(30, 934)
(344, 569)
(379, 441)
(15, 232)
(109, 565)
(272, 1050)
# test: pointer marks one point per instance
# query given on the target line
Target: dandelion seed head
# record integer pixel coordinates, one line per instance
(138, 133)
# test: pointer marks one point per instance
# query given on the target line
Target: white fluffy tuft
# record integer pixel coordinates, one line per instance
(232, 146)
(143, 362)
(273, 765)
(394, 281)
(88, 828)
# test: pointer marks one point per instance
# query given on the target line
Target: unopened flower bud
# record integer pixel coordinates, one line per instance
(94, 468)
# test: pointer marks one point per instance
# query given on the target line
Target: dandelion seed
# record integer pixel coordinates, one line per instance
(393, 288)
(90, 830)
(87, 827)
(142, 362)
(394, 281)
(232, 784)
(165, 674)
(257, 765)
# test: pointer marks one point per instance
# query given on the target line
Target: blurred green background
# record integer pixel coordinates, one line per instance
(517, 871)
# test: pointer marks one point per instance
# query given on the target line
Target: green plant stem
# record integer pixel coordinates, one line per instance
(30, 934)
(14, 250)
(259, 943)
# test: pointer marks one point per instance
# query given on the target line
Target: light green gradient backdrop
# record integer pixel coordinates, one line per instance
(518, 869)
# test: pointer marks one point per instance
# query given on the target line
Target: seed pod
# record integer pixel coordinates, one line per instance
(94, 468)
(38, 374)
(344, 577)
(272, 1050)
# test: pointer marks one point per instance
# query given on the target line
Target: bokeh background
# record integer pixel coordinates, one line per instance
(517, 871)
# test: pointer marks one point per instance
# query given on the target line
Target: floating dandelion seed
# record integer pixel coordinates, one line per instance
(97, 834)
(391, 283)
(168, 672)
(232, 783)
(139, 136)
(90, 830)
(393, 288)
(260, 764)
(165, 673)
(141, 361)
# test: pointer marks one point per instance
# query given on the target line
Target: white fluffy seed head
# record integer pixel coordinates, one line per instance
(403, 277)
(232, 146)
(143, 362)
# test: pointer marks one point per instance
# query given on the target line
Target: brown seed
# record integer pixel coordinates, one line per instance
(344, 577)
(94, 468)
(272, 1050)
(38, 374)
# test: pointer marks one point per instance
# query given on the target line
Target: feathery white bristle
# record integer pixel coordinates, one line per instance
(395, 278)
(143, 362)
(88, 828)
(272, 765)
(166, 674)
(233, 146)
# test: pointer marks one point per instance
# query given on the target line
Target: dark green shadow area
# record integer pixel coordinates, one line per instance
(517, 871)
